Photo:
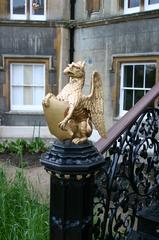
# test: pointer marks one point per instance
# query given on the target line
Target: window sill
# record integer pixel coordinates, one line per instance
(29, 112)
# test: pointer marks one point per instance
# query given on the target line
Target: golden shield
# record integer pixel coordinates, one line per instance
(55, 113)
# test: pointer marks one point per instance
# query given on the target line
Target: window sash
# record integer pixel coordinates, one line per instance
(128, 9)
(27, 96)
(33, 15)
(133, 92)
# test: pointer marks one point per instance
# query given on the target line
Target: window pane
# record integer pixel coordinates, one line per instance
(150, 76)
(138, 94)
(133, 3)
(18, 6)
(28, 96)
(38, 95)
(39, 75)
(28, 79)
(17, 95)
(153, 1)
(139, 76)
(17, 73)
(37, 7)
(128, 99)
(128, 75)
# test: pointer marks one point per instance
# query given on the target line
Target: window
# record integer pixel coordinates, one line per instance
(151, 4)
(37, 9)
(20, 9)
(93, 5)
(27, 86)
(131, 6)
(136, 80)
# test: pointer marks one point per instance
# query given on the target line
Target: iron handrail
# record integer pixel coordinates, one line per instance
(119, 127)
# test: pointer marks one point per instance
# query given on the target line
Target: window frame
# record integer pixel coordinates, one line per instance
(18, 16)
(122, 88)
(9, 59)
(128, 10)
(26, 107)
(148, 7)
(117, 61)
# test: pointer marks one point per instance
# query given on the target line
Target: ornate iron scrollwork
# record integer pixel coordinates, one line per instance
(129, 181)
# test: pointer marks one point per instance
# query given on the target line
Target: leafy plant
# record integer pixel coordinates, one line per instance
(37, 145)
(21, 146)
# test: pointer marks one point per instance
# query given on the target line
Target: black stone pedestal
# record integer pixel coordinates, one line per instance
(73, 168)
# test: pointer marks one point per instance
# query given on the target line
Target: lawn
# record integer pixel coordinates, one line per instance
(22, 217)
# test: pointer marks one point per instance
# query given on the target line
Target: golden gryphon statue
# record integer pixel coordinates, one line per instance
(71, 115)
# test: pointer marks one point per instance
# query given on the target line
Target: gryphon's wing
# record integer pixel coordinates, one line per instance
(94, 103)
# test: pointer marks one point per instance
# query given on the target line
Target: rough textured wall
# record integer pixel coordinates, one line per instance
(58, 9)
(96, 45)
(26, 40)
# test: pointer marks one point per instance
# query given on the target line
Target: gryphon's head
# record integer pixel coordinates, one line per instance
(75, 70)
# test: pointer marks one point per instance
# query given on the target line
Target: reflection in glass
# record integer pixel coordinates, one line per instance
(128, 75)
(128, 99)
(139, 76)
(18, 6)
(138, 94)
(150, 76)
(133, 3)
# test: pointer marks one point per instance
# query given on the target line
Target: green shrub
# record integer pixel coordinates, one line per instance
(22, 217)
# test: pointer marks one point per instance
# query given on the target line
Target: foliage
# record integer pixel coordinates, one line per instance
(21, 215)
(19, 146)
(37, 145)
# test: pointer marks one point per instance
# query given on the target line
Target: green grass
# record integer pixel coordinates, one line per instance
(22, 217)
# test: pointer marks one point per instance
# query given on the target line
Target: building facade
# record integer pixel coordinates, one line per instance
(38, 38)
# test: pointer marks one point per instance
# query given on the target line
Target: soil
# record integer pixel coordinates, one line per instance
(28, 160)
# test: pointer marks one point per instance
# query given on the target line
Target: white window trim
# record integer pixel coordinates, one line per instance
(130, 10)
(35, 108)
(150, 6)
(18, 16)
(122, 88)
(38, 17)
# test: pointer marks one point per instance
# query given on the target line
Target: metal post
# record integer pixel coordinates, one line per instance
(73, 168)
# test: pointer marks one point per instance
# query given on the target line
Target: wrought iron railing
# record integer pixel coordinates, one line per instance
(129, 181)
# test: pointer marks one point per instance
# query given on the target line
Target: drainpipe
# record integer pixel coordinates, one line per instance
(72, 29)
